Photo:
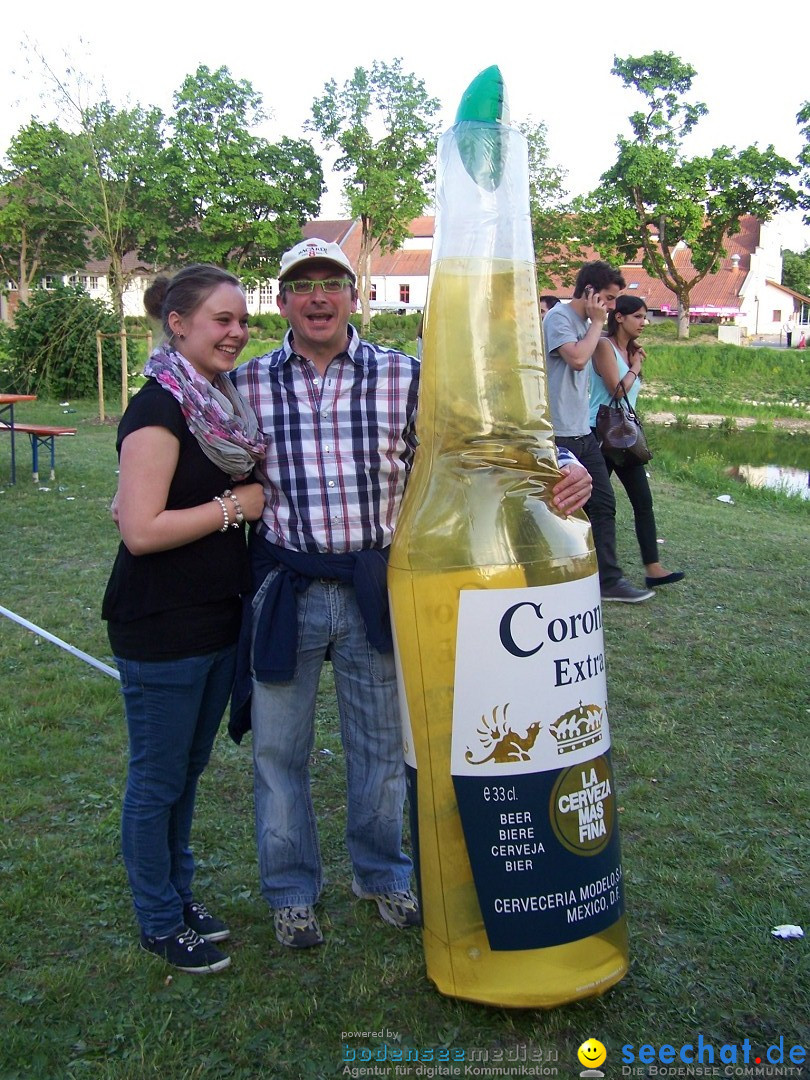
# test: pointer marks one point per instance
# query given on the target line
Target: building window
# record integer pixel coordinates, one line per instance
(47, 282)
(404, 294)
(372, 291)
(88, 281)
(73, 279)
(265, 294)
(777, 315)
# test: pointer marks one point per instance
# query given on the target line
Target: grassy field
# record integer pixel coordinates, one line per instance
(710, 723)
(713, 378)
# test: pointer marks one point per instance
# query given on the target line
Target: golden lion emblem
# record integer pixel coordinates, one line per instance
(506, 744)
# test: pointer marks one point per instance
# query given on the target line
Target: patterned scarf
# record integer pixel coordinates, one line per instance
(218, 417)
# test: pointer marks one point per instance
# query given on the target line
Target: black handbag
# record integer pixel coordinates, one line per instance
(620, 433)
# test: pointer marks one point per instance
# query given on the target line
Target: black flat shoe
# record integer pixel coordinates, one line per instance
(654, 582)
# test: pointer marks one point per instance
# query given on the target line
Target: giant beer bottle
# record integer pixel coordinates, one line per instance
(497, 619)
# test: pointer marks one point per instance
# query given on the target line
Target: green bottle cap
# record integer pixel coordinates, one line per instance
(485, 99)
(482, 116)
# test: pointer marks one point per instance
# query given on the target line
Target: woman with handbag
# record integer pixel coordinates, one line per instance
(615, 378)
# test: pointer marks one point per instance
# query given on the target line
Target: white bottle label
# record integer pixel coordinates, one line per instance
(530, 687)
(530, 759)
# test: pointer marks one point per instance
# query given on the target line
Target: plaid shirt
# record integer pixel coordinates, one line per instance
(339, 448)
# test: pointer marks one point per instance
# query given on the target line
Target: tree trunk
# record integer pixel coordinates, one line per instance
(115, 280)
(364, 278)
(683, 318)
(23, 278)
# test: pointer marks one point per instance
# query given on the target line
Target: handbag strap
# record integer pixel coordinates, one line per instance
(623, 402)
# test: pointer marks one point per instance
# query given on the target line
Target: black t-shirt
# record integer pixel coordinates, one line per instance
(186, 601)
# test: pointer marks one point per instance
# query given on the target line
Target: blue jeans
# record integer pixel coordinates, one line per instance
(173, 709)
(282, 716)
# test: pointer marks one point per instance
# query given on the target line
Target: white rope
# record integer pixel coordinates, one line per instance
(62, 644)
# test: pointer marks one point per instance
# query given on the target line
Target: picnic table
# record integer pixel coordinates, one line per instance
(41, 435)
(7, 403)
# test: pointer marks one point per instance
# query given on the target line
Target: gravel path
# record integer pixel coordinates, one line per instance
(709, 420)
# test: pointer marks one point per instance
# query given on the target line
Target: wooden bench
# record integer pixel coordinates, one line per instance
(40, 435)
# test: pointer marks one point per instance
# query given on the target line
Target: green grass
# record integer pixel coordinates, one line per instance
(666, 330)
(726, 379)
(710, 723)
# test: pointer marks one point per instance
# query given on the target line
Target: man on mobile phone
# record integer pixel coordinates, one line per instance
(571, 333)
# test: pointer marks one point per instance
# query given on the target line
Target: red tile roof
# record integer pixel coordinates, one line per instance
(333, 232)
(719, 290)
(401, 263)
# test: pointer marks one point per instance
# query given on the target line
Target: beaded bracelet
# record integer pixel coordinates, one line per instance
(226, 520)
(240, 514)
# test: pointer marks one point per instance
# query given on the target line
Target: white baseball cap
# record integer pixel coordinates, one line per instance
(313, 249)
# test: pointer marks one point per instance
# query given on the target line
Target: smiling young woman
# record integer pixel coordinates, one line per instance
(212, 335)
(187, 445)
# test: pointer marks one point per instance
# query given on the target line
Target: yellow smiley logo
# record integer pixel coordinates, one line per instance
(592, 1054)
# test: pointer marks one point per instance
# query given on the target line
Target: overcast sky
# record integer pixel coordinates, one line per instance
(556, 61)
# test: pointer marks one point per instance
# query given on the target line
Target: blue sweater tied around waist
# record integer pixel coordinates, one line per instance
(276, 640)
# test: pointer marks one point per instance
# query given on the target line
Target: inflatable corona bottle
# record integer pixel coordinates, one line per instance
(497, 619)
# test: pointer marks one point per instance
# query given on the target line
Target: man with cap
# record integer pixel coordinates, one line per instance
(338, 416)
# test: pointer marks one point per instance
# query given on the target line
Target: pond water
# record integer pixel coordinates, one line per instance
(774, 459)
(778, 477)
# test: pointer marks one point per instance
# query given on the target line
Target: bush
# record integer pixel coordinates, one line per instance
(389, 329)
(4, 360)
(52, 345)
(270, 321)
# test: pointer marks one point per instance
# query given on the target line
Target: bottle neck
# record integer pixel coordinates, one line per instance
(482, 387)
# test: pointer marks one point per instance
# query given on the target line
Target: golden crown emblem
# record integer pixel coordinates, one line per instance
(578, 728)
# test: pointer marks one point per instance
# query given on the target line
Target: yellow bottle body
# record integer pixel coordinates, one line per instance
(477, 517)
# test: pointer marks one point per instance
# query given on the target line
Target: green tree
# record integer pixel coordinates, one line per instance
(796, 271)
(555, 226)
(803, 120)
(655, 197)
(123, 199)
(382, 121)
(120, 196)
(39, 231)
(237, 200)
(52, 345)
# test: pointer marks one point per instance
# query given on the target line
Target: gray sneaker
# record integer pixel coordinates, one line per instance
(399, 909)
(622, 592)
(297, 927)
